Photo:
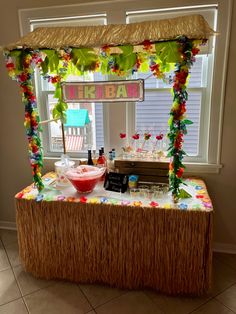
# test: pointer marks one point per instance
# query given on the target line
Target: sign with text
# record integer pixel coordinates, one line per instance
(116, 182)
(109, 91)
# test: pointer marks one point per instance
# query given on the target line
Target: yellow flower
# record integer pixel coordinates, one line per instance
(94, 201)
(29, 197)
(137, 203)
(201, 192)
(167, 205)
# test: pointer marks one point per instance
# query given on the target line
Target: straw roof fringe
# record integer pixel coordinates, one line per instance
(192, 26)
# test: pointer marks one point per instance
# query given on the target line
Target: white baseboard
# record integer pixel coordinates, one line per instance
(217, 247)
(7, 225)
(224, 248)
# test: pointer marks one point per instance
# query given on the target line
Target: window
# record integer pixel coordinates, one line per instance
(206, 84)
(152, 115)
(84, 126)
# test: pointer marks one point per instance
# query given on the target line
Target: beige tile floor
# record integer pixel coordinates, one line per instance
(20, 293)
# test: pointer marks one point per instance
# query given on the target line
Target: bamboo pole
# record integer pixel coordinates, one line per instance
(63, 138)
(49, 120)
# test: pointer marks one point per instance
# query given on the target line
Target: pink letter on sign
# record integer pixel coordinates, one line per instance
(71, 92)
(99, 91)
(133, 90)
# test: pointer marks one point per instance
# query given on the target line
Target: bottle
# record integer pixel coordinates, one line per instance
(103, 153)
(110, 156)
(94, 157)
(113, 151)
(101, 162)
(110, 163)
(90, 161)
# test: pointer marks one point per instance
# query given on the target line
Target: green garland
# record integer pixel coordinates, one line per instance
(23, 74)
(56, 65)
(178, 122)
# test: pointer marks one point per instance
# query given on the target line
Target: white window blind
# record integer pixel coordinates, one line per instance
(88, 20)
(152, 114)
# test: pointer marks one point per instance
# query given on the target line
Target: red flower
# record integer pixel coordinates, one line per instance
(135, 136)
(83, 199)
(27, 115)
(66, 57)
(23, 77)
(35, 148)
(147, 45)
(115, 68)
(154, 67)
(180, 172)
(36, 58)
(20, 195)
(178, 141)
(34, 123)
(182, 108)
(138, 63)
(10, 66)
(153, 204)
(32, 98)
(176, 87)
(25, 89)
(122, 135)
(180, 77)
(55, 79)
(199, 196)
(106, 48)
(159, 137)
(195, 51)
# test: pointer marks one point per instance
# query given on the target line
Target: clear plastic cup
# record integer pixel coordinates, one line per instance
(150, 195)
(143, 192)
(135, 193)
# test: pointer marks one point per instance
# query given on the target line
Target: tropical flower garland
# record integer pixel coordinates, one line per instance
(177, 120)
(54, 65)
(24, 78)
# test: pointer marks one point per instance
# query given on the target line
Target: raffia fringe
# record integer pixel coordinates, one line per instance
(192, 26)
(125, 247)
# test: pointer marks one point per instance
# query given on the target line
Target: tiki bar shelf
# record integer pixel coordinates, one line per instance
(116, 240)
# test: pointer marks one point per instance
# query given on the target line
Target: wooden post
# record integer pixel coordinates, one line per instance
(63, 137)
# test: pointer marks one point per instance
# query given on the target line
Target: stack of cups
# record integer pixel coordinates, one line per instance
(61, 167)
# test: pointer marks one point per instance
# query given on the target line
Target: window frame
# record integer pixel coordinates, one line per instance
(116, 13)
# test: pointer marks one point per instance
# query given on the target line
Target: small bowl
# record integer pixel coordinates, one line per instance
(84, 178)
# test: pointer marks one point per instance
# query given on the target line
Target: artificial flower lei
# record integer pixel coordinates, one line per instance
(55, 64)
(24, 78)
(177, 121)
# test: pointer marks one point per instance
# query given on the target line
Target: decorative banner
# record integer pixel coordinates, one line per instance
(109, 91)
